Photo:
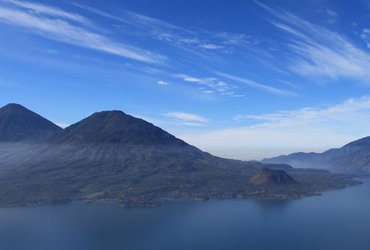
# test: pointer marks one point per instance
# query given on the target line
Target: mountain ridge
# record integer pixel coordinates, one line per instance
(112, 156)
(18, 123)
(115, 127)
(353, 158)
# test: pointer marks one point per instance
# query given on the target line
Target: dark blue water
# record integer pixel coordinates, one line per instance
(336, 220)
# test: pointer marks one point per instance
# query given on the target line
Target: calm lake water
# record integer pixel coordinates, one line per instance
(336, 220)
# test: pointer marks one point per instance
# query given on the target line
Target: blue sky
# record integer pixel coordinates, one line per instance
(241, 79)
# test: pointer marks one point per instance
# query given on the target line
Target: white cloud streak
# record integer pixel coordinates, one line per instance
(210, 46)
(319, 52)
(173, 35)
(285, 132)
(160, 82)
(331, 13)
(61, 30)
(212, 85)
(365, 35)
(186, 117)
(256, 85)
(48, 10)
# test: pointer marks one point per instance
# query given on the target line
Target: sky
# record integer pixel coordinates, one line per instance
(239, 79)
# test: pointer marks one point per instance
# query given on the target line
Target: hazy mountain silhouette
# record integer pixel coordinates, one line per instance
(116, 157)
(20, 124)
(353, 157)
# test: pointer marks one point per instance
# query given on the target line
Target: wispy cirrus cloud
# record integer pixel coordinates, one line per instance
(329, 14)
(332, 13)
(160, 82)
(282, 132)
(212, 85)
(176, 120)
(48, 10)
(256, 85)
(55, 23)
(173, 35)
(186, 119)
(210, 46)
(238, 39)
(318, 52)
(47, 22)
(358, 108)
(365, 35)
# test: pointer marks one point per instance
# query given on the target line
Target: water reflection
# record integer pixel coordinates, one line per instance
(274, 206)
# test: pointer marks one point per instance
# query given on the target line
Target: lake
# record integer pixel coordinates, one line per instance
(336, 220)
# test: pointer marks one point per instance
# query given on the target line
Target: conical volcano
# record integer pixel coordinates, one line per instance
(17, 123)
(118, 128)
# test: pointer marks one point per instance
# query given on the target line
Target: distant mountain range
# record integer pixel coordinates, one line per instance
(112, 156)
(353, 157)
